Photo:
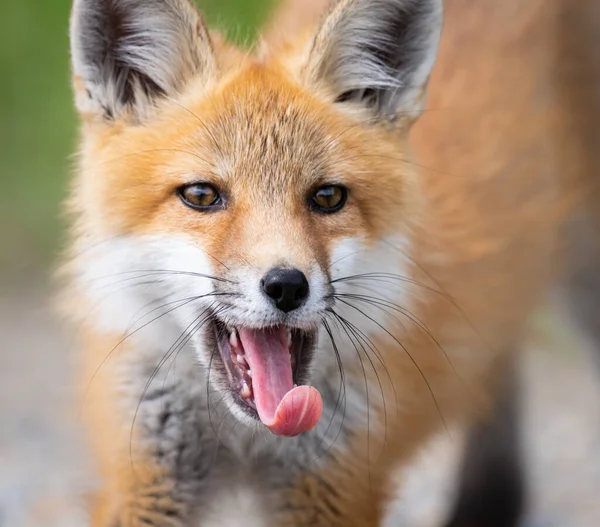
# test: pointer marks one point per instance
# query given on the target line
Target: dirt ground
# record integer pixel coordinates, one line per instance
(42, 462)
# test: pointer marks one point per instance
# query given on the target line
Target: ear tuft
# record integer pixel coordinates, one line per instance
(126, 53)
(377, 53)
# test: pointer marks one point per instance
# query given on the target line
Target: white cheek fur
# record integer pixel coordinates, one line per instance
(128, 279)
(369, 285)
(366, 304)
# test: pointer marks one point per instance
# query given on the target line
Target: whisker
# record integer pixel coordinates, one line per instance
(195, 297)
(222, 398)
(391, 277)
(371, 345)
(129, 334)
(412, 359)
(375, 351)
(99, 301)
(220, 311)
(199, 451)
(175, 348)
(157, 272)
(344, 257)
(208, 395)
(450, 298)
(368, 286)
(383, 304)
(341, 390)
(92, 246)
(361, 339)
(126, 283)
(345, 328)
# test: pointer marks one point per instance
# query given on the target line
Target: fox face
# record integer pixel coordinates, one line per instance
(235, 196)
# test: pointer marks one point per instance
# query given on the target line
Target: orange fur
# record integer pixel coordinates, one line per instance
(491, 184)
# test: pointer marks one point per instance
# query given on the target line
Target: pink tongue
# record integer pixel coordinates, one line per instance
(285, 410)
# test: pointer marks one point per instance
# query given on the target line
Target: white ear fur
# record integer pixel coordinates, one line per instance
(127, 52)
(378, 53)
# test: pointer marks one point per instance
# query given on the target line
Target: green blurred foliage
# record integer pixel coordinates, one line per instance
(38, 126)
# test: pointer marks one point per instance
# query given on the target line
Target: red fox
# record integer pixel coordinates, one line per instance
(287, 270)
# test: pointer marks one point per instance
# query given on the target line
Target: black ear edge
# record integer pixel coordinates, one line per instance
(127, 53)
(101, 54)
(377, 53)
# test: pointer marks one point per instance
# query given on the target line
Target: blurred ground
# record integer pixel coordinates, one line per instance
(40, 460)
(42, 469)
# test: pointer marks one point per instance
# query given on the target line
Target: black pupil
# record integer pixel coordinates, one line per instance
(202, 195)
(328, 197)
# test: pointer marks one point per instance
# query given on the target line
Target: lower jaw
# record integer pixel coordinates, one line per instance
(302, 351)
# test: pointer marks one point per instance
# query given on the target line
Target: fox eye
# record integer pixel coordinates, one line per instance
(328, 199)
(201, 196)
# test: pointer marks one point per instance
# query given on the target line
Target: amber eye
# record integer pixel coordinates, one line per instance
(329, 198)
(201, 196)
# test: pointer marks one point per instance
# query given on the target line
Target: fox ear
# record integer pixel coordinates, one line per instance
(127, 53)
(377, 53)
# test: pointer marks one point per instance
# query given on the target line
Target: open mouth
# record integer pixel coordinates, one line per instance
(265, 367)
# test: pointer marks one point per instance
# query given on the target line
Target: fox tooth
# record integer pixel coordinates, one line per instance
(246, 391)
(249, 372)
(241, 360)
(233, 339)
(289, 338)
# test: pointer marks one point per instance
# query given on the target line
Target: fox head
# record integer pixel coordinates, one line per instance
(239, 193)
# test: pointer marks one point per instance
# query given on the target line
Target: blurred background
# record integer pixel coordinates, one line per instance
(42, 464)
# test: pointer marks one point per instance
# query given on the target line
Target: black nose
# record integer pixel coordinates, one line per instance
(287, 287)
